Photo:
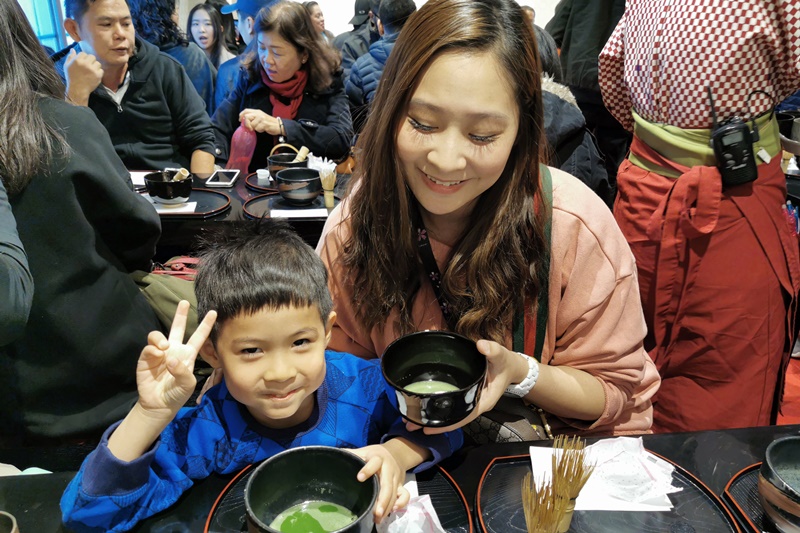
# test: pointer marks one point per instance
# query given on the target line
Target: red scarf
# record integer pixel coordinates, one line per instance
(291, 90)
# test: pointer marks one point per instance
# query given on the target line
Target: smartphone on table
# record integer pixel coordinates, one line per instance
(223, 178)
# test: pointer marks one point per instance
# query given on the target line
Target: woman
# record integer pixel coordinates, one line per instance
(318, 19)
(69, 374)
(156, 22)
(449, 171)
(293, 91)
(206, 30)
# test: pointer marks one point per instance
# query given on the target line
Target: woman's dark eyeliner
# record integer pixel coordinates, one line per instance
(419, 126)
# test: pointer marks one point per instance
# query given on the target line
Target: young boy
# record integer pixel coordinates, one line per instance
(268, 318)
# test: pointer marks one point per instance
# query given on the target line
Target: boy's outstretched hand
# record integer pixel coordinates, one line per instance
(165, 379)
(165, 371)
(393, 495)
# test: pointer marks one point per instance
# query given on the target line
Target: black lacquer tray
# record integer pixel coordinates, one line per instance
(251, 182)
(259, 206)
(741, 496)
(209, 204)
(228, 513)
(695, 509)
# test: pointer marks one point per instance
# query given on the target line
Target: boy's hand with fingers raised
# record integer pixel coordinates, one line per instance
(165, 381)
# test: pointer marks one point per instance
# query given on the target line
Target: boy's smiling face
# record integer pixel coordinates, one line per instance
(273, 361)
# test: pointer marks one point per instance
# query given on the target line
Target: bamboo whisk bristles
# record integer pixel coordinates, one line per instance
(570, 471)
(543, 508)
(548, 507)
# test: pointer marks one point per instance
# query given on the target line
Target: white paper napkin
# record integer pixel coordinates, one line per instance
(626, 476)
(188, 207)
(137, 177)
(418, 516)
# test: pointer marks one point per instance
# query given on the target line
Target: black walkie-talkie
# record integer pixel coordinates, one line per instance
(733, 148)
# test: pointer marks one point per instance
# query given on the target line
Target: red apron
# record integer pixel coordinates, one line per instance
(719, 274)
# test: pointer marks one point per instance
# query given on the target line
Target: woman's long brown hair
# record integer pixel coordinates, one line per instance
(498, 265)
(27, 143)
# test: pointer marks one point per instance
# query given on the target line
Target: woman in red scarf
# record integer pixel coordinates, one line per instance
(290, 90)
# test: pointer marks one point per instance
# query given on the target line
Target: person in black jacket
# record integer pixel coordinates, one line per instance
(144, 98)
(70, 373)
(356, 42)
(292, 91)
(580, 29)
(572, 148)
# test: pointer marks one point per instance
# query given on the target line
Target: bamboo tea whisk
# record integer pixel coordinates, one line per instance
(549, 508)
(543, 508)
(328, 178)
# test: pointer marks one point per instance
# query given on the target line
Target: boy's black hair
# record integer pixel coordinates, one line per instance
(252, 265)
(75, 9)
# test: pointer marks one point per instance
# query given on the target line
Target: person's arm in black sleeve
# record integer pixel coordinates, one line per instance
(331, 139)
(192, 124)
(16, 281)
(557, 25)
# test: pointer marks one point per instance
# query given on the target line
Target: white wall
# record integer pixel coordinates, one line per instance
(339, 12)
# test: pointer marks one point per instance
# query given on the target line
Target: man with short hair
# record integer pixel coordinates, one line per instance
(143, 97)
(367, 70)
(355, 43)
(228, 72)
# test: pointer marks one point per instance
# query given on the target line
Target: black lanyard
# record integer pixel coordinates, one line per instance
(518, 335)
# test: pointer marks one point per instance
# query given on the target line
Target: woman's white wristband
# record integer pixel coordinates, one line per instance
(524, 387)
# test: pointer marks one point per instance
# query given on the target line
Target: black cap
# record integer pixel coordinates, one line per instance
(362, 13)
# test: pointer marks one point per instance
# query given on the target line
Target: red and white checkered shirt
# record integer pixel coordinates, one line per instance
(664, 53)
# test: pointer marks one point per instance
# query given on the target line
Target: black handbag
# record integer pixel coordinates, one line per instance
(511, 419)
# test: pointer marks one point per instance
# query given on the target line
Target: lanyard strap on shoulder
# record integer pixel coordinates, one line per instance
(542, 299)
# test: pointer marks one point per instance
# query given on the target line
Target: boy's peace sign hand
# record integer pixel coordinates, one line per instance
(164, 373)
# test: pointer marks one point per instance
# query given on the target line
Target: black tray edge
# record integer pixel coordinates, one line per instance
(223, 493)
(246, 469)
(730, 501)
(194, 216)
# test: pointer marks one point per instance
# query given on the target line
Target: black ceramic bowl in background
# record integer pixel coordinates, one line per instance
(440, 356)
(298, 186)
(779, 483)
(309, 473)
(278, 162)
(163, 190)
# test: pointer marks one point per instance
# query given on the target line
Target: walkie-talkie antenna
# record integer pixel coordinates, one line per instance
(713, 111)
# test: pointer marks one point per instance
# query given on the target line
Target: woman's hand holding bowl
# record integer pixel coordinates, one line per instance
(257, 120)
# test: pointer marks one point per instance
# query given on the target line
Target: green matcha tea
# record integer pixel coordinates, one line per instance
(313, 517)
(430, 386)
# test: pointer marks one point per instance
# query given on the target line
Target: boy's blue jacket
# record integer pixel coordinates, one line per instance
(352, 410)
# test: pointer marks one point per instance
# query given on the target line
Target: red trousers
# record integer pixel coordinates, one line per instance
(719, 274)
